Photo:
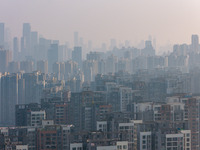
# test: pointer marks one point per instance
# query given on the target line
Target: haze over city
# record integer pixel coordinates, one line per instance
(171, 21)
(99, 75)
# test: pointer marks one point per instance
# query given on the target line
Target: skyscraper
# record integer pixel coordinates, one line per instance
(26, 43)
(34, 44)
(52, 56)
(15, 48)
(5, 58)
(9, 98)
(77, 56)
(195, 43)
(2, 34)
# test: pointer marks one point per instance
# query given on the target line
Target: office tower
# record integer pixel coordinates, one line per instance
(52, 56)
(2, 35)
(34, 44)
(76, 39)
(77, 56)
(42, 66)
(9, 98)
(195, 43)
(5, 58)
(15, 48)
(26, 39)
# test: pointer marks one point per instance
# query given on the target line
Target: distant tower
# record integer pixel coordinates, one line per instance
(5, 58)
(2, 34)
(15, 48)
(195, 43)
(52, 56)
(26, 43)
(76, 39)
(77, 56)
(34, 44)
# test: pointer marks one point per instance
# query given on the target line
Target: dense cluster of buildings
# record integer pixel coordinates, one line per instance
(51, 97)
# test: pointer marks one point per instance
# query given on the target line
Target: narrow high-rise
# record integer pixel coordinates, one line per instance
(9, 98)
(15, 48)
(26, 39)
(195, 43)
(2, 34)
(77, 56)
(52, 56)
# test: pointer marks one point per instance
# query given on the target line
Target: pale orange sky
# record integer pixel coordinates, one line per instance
(101, 20)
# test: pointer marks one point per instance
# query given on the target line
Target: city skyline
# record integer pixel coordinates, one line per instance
(99, 75)
(170, 22)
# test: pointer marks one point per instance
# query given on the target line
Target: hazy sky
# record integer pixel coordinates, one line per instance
(101, 20)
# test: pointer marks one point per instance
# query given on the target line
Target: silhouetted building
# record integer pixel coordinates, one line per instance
(195, 43)
(77, 56)
(52, 56)
(15, 48)
(5, 58)
(2, 35)
(9, 98)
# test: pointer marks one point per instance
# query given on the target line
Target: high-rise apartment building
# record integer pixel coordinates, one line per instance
(2, 34)
(5, 58)
(77, 56)
(26, 39)
(15, 48)
(195, 43)
(9, 98)
(52, 56)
